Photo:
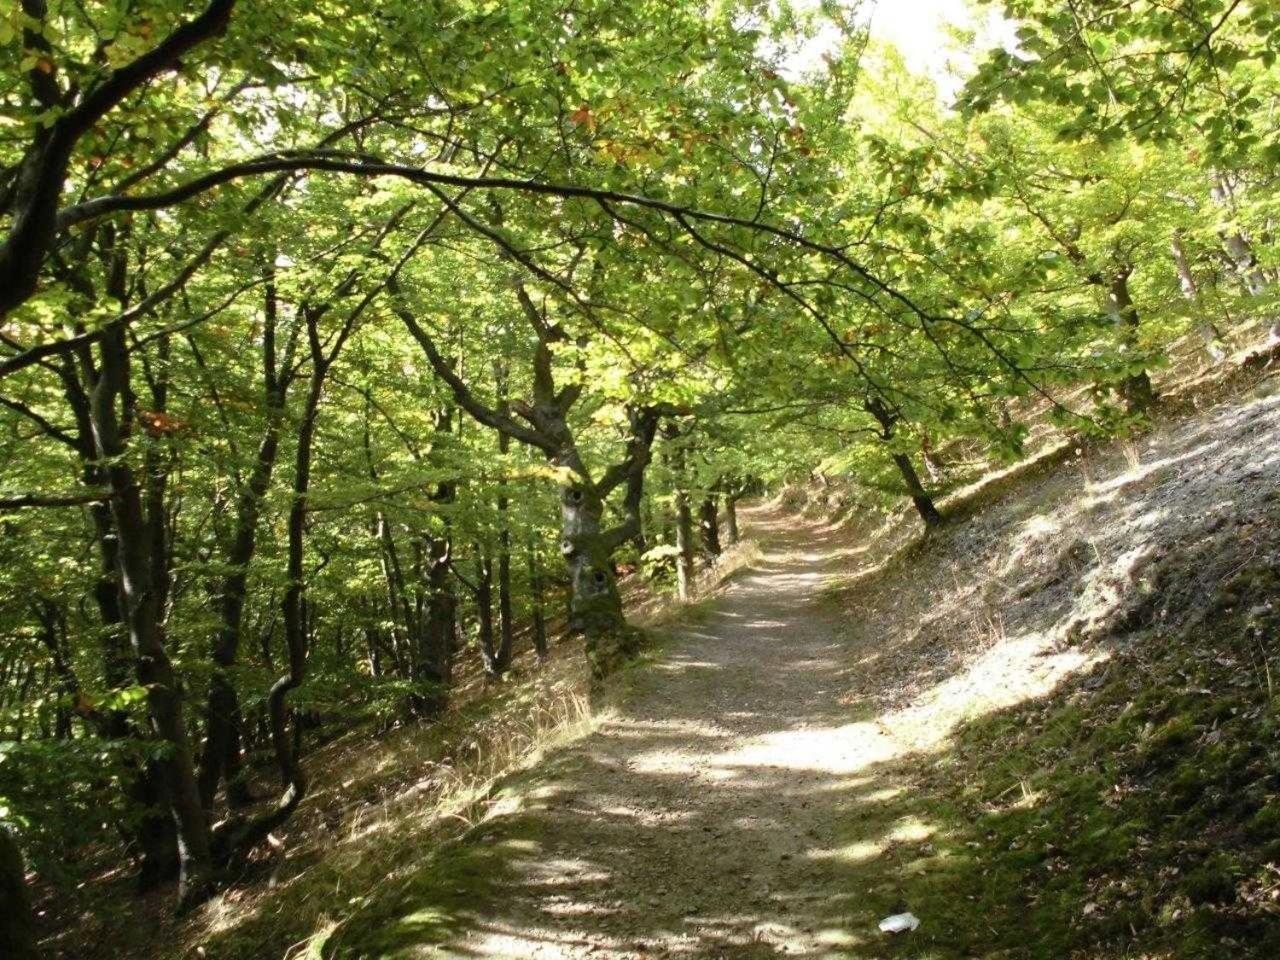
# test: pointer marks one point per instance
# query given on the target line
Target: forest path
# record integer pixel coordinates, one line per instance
(712, 816)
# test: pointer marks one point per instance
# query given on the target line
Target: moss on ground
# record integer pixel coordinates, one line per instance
(1135, 813)
(444, 893)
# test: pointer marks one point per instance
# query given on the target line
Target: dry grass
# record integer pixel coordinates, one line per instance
(383, 804)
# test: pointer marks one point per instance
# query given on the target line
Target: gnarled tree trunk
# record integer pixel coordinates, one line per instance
(595, 605)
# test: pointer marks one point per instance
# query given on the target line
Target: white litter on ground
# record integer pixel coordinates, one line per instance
(899, 923)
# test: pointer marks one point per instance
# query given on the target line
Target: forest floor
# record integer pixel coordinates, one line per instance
(1049, 731)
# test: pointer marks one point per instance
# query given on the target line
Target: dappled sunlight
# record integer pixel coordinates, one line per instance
(737, 770)
(758, 795)
(1014, 671)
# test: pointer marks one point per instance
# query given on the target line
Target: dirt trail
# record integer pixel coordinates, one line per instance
(767, 787)
(701, 821)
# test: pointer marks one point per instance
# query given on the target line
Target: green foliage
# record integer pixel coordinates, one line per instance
(590, 215)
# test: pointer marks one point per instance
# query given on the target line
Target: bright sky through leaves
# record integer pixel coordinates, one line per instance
(923, 31)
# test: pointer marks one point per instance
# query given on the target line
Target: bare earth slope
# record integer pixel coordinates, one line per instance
(843, 735)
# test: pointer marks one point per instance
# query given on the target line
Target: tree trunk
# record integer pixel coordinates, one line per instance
(17, 926)
(731, 519)
(484, 614)
(537, 613)
(1205, 328)
(156, 837)
(220, 748)
(239, 837)
(930, 460)
(595, 608)
(684, 547)
(915, 489)
(1136, 389)
(433, 660)
(140, 593)
(221, 751)
(709, 527)
(1240, 250)
(506, 624)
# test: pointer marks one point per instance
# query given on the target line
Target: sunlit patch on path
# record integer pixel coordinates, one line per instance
(737, 804)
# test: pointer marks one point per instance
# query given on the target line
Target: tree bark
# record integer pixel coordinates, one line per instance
(506, 626)
(221, 751)
(1136, 389)
(155, 837)
(888, 419)
(1207, 330)
(931, 464)
(484, 616)
(537, 611)
(684, 547)
(140, 593)
(709, 527)
(506, 616)
(595, 604)
(731, 519)
(915, 489)
(17, 926)
(237, 837)
(433, 659)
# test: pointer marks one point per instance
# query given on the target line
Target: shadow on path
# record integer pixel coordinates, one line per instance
(704, 820)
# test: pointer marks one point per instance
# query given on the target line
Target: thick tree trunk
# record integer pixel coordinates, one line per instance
(157, 836)
(1136, 389)
(595, 604)
(709, 527)
(17, 927)
(434, 660)
(155, 839)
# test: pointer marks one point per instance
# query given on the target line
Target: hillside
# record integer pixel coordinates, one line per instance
(1047, 730)
(639, 478)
